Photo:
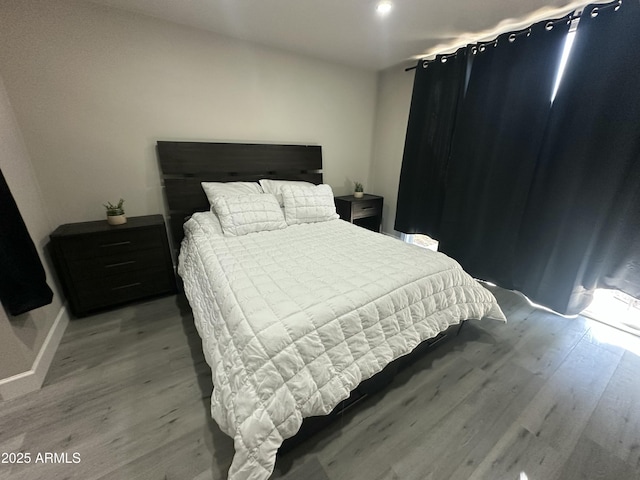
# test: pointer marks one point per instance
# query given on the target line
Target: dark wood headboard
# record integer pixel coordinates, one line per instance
(185, 164)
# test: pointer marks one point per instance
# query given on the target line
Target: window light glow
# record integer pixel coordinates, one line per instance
(384, 7)
(566, 51)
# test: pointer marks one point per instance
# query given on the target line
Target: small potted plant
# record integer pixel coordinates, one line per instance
(115, 213)
(358, 191)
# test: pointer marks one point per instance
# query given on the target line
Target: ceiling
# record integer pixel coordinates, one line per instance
(350, 31)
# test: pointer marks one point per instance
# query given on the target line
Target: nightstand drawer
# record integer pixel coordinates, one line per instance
(365, 212)
(366, 208)
(122, 287)
(115, 243)
(119, 263)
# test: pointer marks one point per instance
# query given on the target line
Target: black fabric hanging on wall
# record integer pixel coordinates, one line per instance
(23, 285)
(495, 148)
(581, 228)
(437, 89)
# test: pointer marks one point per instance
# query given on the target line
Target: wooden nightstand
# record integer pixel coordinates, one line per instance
(101, 266)
(365, 212)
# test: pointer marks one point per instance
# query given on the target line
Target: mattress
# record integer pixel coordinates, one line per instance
(292, 320)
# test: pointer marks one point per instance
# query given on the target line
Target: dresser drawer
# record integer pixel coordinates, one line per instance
(122, 287)
(100, 265)
(366, 208)
(122, 262)
(114, 243)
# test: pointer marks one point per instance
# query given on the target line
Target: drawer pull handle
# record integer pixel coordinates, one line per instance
(367, 208)
(126, 286)
(111, 265)
(115, 244)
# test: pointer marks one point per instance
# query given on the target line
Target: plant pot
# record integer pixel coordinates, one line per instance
(358, 194)
(116, 219)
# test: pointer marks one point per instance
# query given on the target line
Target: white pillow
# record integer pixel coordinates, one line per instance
(242, 214)
(214, 222)
(216, 189)
(275, 187)
(210, 220)
(308, 204)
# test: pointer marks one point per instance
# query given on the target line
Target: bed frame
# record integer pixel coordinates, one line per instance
(185, 164)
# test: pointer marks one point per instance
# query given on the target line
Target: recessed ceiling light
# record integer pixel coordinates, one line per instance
(384, 7)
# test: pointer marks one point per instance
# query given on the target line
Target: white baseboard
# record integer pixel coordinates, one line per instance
(31, 380)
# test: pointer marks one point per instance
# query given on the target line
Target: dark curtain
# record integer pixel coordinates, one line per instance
(23, 284)
(581, 227)
(437, 89)
(495, 148)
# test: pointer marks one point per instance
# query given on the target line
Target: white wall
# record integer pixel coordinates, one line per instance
(93, 88)
(22, 337)
(392, 113)
(86, 91)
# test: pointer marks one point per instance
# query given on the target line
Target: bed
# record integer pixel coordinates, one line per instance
(293, 317)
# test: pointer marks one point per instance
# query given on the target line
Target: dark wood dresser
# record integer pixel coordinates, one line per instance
(101, 266)
(365, 212)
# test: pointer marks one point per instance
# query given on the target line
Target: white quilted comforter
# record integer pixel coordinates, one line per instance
(292, 320)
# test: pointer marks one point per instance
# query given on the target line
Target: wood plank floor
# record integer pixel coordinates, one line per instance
(545, 396)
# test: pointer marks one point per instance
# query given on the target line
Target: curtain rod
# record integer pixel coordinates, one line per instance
(570, 17)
